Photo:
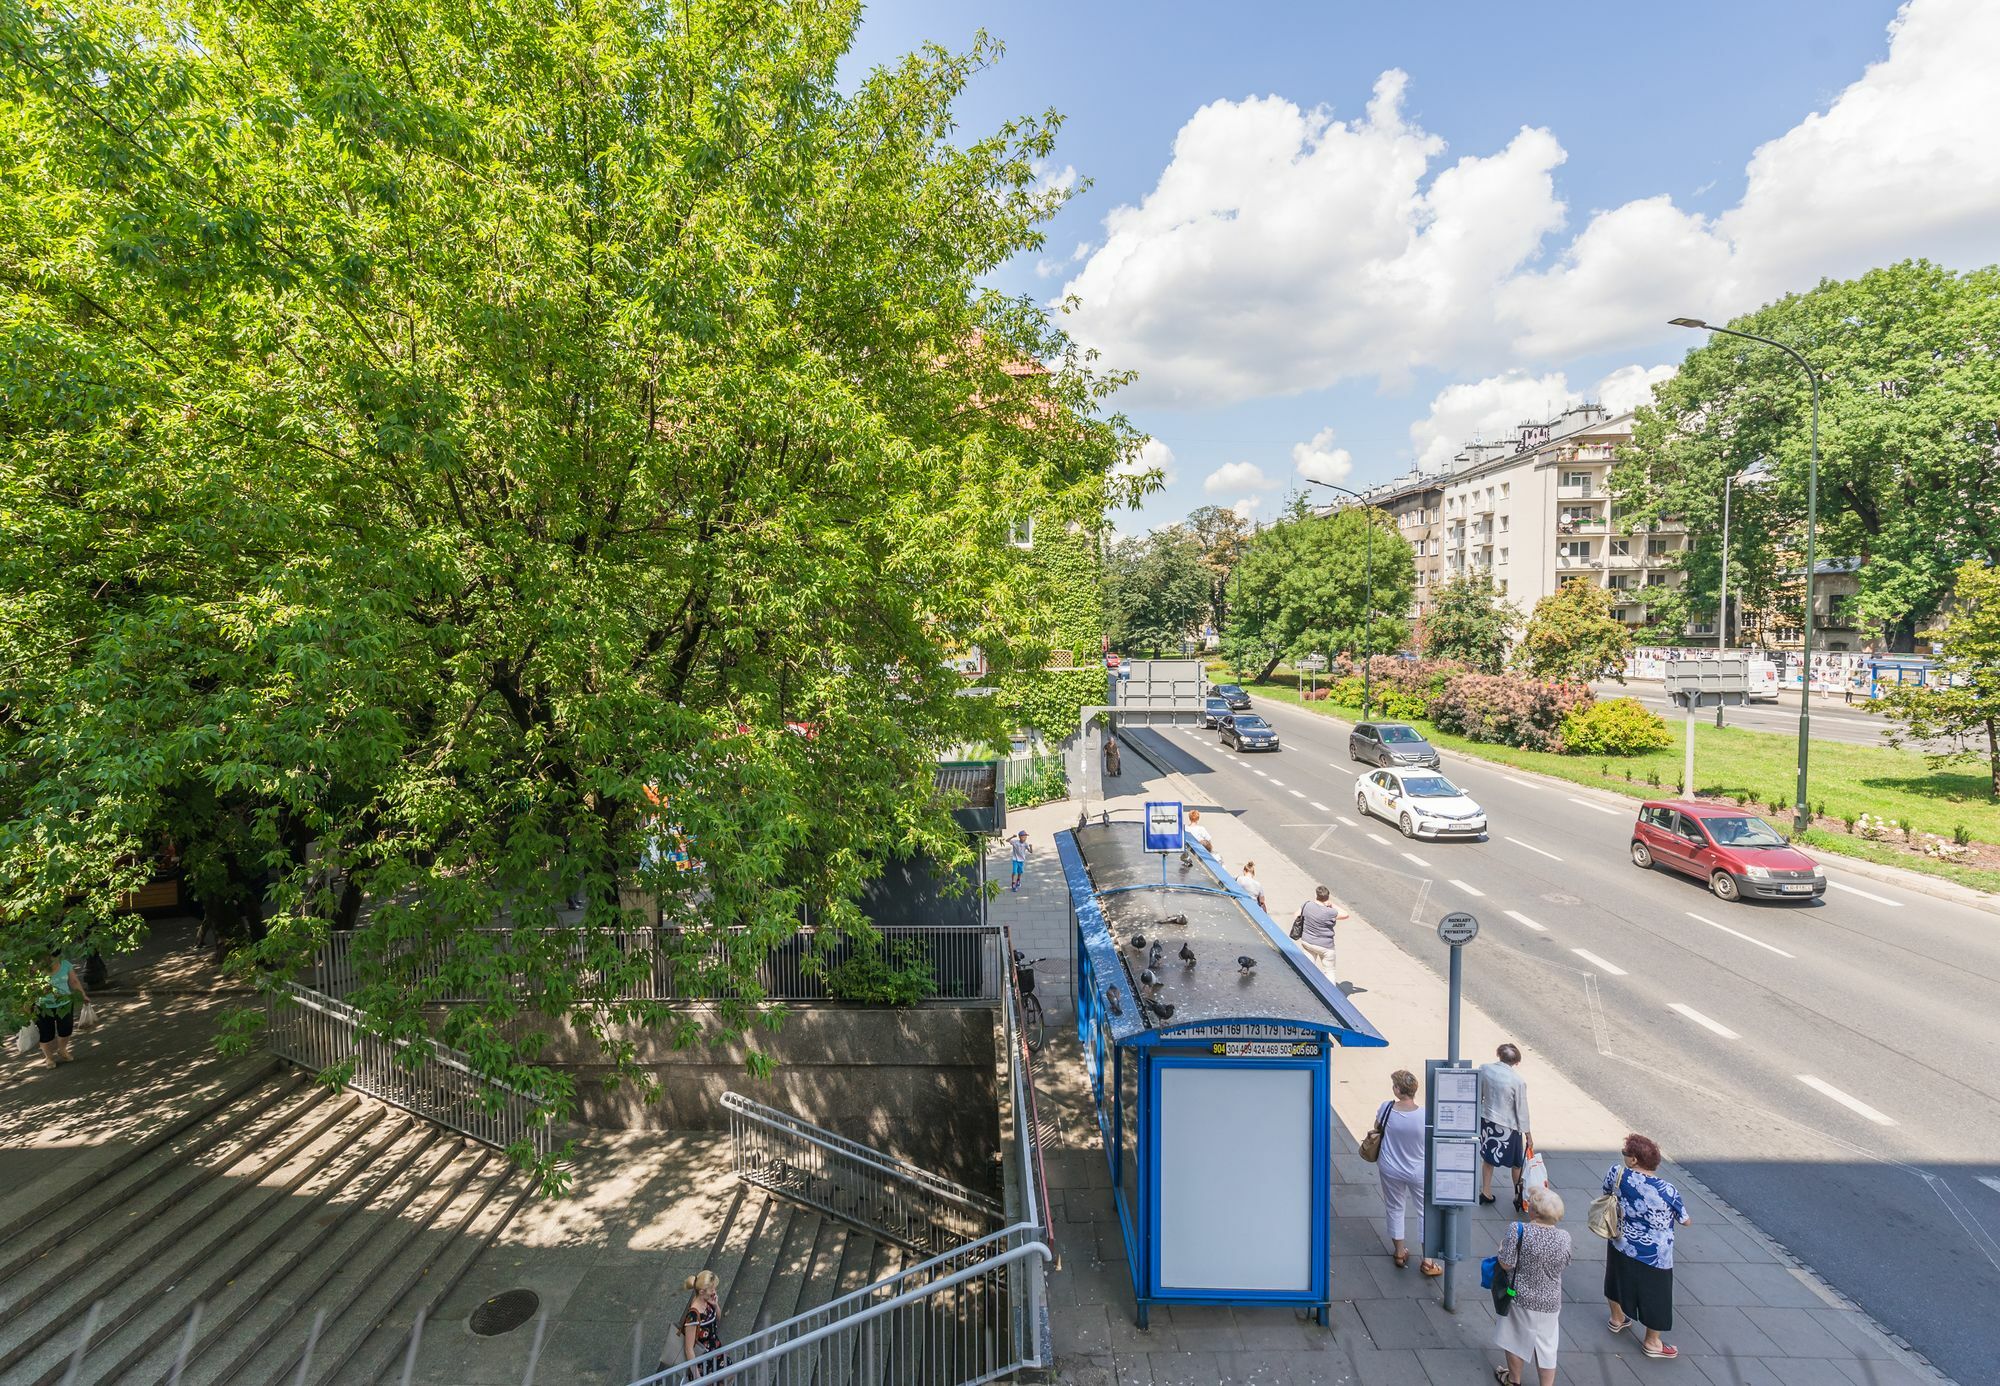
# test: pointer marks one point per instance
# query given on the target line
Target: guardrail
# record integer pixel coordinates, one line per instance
(658, 965)
(893, 1199)
(319, 1032)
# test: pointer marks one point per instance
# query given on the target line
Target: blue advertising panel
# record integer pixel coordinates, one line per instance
(1165, 831)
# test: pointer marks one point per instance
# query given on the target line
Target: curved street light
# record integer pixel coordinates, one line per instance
(1801, 815)
(1368, 616)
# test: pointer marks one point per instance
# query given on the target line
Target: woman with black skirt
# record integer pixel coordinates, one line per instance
(1639, 1267)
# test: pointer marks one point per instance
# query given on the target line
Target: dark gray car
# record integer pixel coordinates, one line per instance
(1233, 694)
(1213, 710)
(1390, 743)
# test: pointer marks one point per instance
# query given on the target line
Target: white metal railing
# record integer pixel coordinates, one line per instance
(968, 1315)
(897, 1201)
(319, 1032)
(658, 964)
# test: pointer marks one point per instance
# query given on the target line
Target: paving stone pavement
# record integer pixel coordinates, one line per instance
(1746, 1313)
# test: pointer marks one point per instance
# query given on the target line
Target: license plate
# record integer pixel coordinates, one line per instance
(1796, 889)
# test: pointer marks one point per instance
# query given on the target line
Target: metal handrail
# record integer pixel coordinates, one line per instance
(790, 1360)
(319, 1032)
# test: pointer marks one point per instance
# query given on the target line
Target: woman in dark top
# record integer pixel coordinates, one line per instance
(701, 1325)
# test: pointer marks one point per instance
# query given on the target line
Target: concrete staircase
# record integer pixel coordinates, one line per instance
(278, 1210)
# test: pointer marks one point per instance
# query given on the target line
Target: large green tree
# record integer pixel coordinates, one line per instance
(1909, 360)
(1960, 707)
(1469, 621)
(1572, 635)
(1157, 591)
(444, 445)
(1303, 587)
(1222, 535)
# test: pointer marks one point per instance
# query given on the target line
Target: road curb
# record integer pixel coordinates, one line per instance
(1935, 887)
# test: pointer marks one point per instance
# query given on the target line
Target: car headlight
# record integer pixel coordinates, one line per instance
(1819, 873)
(1757, 873)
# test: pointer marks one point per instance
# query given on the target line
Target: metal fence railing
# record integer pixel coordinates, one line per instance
(668, 964)
(320, 1032)
(893, 1199)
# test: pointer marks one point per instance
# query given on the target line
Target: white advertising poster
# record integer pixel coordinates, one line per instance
(1231, 1219)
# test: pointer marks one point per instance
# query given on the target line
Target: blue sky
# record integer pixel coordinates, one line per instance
(1310, 269)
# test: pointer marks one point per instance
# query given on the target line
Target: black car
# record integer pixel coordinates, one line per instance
(1213, 710)
(1390, 743)
(1246, 731)
(1230, 693)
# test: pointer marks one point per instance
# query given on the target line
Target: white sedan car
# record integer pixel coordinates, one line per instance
(1422, 803)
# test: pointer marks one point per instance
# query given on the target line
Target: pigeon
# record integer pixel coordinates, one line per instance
(1165, 1009)
(1112, 997)
(1148, 978)
(1159, 951)
(1246, 962)
(1138, 940)
(1179, 920)
(1187, 955)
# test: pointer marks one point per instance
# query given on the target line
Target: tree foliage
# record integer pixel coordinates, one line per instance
(1909, 359)
(1157, 590)
(445, 445)
(1222, 535)
(1961, 705)
(1469, 621)
(1302, 587)
(1572, 635)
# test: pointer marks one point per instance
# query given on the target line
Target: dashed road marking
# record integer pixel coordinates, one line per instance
(1469, 890)
(1524, 921)
(1525, 784)
(1345, 819)
(1412, 856)
(1769, 948)
(1279, 783)
(1377, 837)
(1853, 1104)
(1293, 792)
(1260, 774)
(1318, 805)
(1341, 768)
(1698, 1018)
(1613, 968)
(1533, 848)
(1599, 808)
(1866, 895)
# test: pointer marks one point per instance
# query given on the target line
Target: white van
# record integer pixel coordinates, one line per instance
(1763, 681)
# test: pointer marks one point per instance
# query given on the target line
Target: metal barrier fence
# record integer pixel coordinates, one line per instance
(895, 1200)
(318, 1032)
(657, 964)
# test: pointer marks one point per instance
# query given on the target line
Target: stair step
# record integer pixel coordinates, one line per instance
(790, 1269)
(745, 1225)
(760, 1267)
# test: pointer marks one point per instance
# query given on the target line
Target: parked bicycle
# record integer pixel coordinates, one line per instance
(1033, 1018)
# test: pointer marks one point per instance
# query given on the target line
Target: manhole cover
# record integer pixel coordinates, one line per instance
(505, 1312)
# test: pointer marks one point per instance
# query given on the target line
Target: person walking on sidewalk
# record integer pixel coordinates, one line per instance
(1504, 1133)
(1639, 1264)
(1112, 765)
(55, 1010)
(1400, 1167)
(1017, 849)
(1317, 918)
(1538, 1252)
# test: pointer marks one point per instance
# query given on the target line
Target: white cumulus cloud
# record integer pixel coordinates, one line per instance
(1320, 460)
(1628, 387)
(1234, 476)
(1490, 409)
(1283, 250)
(1246, 509)
(1153, 455)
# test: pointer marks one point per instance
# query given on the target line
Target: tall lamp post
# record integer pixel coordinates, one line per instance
(1801, 813)
(1368, 616)
(1756, 474)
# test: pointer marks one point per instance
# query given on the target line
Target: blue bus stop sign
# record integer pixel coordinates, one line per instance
(1165, 831)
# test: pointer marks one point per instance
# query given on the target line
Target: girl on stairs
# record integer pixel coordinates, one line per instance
(701, 1325)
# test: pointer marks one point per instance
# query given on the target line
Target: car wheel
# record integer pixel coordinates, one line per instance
(1642, 855)
(1724, 886)
(1361, 803)
(1409, 828)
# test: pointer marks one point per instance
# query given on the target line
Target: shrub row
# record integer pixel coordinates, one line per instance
(1506, 709)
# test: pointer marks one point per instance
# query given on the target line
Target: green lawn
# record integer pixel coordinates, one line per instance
(1846, 780)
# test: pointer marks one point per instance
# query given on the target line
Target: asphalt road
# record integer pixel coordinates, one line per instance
(1833, 1070)
(1832, 720)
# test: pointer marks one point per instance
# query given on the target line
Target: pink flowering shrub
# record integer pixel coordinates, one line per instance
(1507, 710)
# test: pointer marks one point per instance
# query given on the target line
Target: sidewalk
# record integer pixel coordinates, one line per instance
(1746, 1313)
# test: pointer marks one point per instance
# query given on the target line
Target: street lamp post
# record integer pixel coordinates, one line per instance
(1753, 475)
(1801, 813)
(1368, 615)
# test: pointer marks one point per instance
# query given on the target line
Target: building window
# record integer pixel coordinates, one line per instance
(1623, 613)
(1657, 548)
(1620, 582)
(1503, 524)
(1504, 488)
(1620, 548)
(1503, 555)
(1656, 579)
(1577, 480)
(1574, 548)
(1021, 534)
(1503, 587)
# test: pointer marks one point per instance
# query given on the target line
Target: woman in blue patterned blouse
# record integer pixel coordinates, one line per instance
(1639, 1267)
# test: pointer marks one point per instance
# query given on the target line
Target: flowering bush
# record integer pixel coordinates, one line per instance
(1508, 710)
(1871, 825)
(1614, 727)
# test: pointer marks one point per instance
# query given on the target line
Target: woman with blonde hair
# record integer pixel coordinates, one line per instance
(1538, 1252)
(701, 1325)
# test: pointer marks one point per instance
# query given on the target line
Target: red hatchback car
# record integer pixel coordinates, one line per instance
(1737, 853)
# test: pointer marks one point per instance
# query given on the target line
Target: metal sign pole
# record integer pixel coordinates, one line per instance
(1456, 930)
(1687, 771)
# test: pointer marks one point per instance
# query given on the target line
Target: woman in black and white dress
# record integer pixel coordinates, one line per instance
(1504, 1133)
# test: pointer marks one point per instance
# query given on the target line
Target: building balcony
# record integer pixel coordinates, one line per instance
(1587, 491)
(1595, 452)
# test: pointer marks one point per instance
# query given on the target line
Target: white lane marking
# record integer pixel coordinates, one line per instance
(1260, 774)
(1279, 783)
(1745, 937)
(1469, 890)
(1377, 837)
(1523, 919)
(1698, 1018)
(1525, 784)
(1341, 768)
(1993, 1184)
(1412, 856)
(1892, 904)
(1596, 961)
(1344, 818)
(1854, 1104)
(1600, 808)
(1321, 807)
(1533, 848)
(1293, 792)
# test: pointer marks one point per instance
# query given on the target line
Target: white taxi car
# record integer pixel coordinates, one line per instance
(1422, 803)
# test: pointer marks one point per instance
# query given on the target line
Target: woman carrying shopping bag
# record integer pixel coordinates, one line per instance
(56, 1011)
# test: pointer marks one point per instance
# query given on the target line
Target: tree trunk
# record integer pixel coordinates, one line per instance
(1268, 668)
(1993, 754)
(1900, 636)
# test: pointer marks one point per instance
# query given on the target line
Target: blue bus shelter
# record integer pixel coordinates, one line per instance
(1209, 1038)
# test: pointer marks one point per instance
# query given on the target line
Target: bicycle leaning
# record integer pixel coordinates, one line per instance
(1033, 1018)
